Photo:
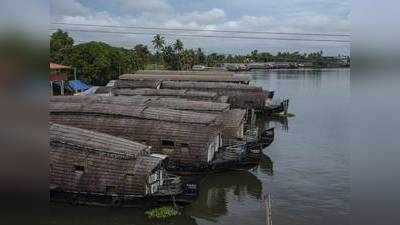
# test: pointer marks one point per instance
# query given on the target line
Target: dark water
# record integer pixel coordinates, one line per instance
(306, 169)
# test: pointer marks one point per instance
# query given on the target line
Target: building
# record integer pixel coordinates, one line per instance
(58, 77)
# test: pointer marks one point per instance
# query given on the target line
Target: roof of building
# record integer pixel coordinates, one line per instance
(81, 138)
(141, 112)
(55, 66)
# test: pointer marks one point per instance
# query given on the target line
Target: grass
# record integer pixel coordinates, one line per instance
(163, 212)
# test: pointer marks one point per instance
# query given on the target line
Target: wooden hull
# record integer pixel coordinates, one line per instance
(97, 199)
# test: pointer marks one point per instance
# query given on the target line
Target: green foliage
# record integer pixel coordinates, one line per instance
(162, 212)
(142, 56)
(170, 58)
(60, 46)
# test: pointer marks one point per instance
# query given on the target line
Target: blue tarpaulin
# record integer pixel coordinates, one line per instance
(78, 85)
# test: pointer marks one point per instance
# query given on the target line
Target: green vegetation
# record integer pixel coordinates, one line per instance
(162, 212)
(98, 62)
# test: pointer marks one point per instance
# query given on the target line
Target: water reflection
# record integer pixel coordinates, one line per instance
(314, 74)
(217, 189)
(302, 77)
(65, 214)
(266, 165)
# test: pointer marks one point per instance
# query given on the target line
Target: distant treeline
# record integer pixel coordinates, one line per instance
(98, 62)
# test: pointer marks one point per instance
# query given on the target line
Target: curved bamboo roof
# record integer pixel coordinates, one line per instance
(165, 92)
(80, 138)
(145, 165)
(140, 112)
(186, 72)
(156, 102)
(137, 83)
(198, 78)
(207, 85)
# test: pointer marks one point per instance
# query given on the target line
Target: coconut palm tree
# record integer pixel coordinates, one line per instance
(158, 44)
(178, 47)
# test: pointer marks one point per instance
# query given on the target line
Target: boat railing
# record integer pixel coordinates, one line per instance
(251, 135)
(172, 185)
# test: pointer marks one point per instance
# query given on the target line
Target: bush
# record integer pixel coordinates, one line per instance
(162, 212)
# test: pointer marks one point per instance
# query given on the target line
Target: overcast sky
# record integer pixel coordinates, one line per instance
(310, 16)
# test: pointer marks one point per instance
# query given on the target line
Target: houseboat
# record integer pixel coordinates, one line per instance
(240, 79)
(239, 95)
(172, 93)
(234, 120)
(187, 72)
(93, 168)
(190, 139)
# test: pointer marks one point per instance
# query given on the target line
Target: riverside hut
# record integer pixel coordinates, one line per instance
(96, 168)
(190, 139)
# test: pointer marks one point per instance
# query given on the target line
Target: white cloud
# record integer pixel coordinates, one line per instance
(315, 16)
(143, 6)
(68, 8)
(204, 18)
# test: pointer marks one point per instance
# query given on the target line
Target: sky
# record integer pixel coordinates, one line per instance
(304, 16)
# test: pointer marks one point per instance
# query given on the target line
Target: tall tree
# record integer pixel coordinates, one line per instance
(142, 56)
(178, 47)
(60, 44)
(158, 44)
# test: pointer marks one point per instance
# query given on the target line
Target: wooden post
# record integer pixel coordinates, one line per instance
(62, 87)
(268, 210)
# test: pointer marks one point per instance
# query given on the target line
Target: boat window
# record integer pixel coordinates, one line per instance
(79, 168)
(167, 143)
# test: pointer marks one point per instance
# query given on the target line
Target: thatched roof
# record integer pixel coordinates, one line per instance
(198, 78)
(140, 112)
(80, 138)
(133, 84)
(55, 66)
(234, 117)
(165, 92)
(208, 85)
(183, 72)
(146, 164)
(103, 90)
(146, 101)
